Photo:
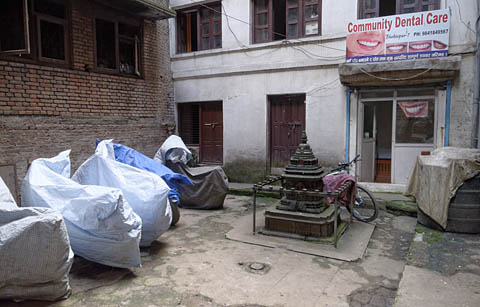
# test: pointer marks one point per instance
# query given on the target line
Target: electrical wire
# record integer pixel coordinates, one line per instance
(289, 40)
(322, 87)
(461, 19)
(395, 79)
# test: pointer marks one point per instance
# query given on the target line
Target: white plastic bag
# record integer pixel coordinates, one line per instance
(146, 192)
(6, 199)
(101, 225)
(35, 253)
(173, 150)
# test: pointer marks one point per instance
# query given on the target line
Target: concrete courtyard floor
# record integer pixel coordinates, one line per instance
(193, 264)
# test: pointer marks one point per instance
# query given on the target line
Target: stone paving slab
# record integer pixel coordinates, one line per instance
(421, 287)
(351, 246)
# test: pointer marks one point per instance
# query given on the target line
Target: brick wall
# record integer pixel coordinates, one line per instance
(45, 109)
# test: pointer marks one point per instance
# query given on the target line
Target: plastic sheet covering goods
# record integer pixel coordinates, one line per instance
(146, 192)
(35, 254)
(101, 225)
(132, 157)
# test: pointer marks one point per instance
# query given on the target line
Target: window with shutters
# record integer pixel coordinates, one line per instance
(283, 19)
(377, 8)
(199, 28)
(189, 123)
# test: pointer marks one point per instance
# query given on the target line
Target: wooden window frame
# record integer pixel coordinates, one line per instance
(269, 24)
(108, 17)
(301, 20)
(32, 54)
(64, 23)
(26, 33)
(300, 11)
(305, 20)
(214, 6)
(400, 7)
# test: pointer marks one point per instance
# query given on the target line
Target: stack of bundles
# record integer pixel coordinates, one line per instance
(210, 184)
(35, 252)
(146, 192)
(101, 225)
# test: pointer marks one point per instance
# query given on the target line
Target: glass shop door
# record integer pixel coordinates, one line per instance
(413, 133)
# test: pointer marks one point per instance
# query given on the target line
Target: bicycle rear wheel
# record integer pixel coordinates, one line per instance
(365, 207)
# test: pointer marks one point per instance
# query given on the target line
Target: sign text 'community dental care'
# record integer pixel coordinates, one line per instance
(400, 37)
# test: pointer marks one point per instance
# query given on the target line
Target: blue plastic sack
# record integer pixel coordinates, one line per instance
(130, 156)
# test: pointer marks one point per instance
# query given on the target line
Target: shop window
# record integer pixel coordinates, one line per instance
(415, 121)
(199, 28)
(378, 8)
(189, 123)
(117, 46)
(278, 20)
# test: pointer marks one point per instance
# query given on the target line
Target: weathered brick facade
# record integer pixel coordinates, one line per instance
(46, 109)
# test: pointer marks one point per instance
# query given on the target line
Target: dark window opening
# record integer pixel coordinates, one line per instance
(14, 33)
(199, 28)
(53, 8)
(387, 8)
(378, 8)
(51, 30)
(282, 19)
(189, 123)
(117, 46)
(51, 40)
(279, 26)
(105, 35)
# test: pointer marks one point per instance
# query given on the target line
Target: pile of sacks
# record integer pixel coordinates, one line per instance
(104, 213)
(116, 202)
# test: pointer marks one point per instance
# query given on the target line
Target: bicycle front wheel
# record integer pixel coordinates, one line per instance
(365, 207)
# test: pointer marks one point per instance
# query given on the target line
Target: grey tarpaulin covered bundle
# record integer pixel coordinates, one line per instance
(146, 192)
(35, 254)
(436, 178)
(101, 225)
(210, 184)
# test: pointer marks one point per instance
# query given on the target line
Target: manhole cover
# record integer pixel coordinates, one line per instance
(255, 267)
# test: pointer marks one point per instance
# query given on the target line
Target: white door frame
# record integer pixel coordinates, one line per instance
(438, 123)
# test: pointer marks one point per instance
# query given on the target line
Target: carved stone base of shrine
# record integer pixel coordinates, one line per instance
(301, 223)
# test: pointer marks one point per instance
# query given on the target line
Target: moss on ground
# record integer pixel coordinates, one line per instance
(430, 236)
(245, 171)
(402, 207)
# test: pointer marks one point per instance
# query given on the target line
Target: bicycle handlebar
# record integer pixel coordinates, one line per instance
(346, 165)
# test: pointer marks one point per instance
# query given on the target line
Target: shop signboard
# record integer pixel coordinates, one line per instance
(399, 37)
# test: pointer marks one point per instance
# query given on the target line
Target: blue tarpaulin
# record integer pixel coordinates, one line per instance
(130, 156)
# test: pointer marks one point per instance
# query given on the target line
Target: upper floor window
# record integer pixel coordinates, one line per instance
(377, 8)
(199, 28)
(277, 20)
(38, 28)
(117, 45)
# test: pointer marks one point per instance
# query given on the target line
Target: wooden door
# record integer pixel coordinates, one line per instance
(287, 121)
(211, 132)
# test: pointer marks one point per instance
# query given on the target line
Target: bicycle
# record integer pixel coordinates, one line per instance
(365, 208)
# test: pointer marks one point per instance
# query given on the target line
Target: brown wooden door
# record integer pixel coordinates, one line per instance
(287, 121)
(211, 132)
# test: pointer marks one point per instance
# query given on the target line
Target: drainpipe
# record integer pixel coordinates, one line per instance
(476, 88)
(347, 127)
(446, 139)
